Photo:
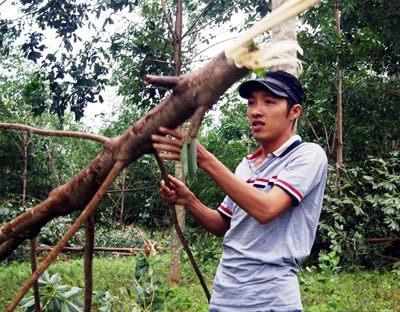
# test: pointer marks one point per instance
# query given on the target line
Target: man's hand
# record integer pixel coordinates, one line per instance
(175, 192)
(170, 143)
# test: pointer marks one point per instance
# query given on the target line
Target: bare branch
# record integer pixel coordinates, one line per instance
(312, 128)
(72, 134)
(200, 88)
(168, 20)
(162, 81)
(136, 189)
(196, 123)
(179, 230)
(191, 29)
(36, 293)
(89, 252)
(125, 250)
(86, 213)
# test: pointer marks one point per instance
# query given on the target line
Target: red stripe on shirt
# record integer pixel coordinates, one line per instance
(290, 189)
(225, 211)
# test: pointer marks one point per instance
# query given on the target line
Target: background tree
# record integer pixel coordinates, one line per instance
(368, 61)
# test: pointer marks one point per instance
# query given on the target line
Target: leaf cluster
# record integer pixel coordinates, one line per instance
(147, 293)
(54, 296)
(360, 215)
(365, 55)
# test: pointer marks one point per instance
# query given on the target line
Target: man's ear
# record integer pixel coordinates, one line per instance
(295, 111)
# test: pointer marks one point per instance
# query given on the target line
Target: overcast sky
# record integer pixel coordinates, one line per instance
(94, 113)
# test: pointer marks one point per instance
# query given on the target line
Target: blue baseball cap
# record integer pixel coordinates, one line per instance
(280, 83)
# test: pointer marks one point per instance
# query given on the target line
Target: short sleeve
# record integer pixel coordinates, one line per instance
(303, 172)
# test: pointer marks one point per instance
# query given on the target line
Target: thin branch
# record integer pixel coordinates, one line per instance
(136, 189)
(53, 166)
(68, 235)
(124, 250)
(198, 18)
(36, 292)
(312, 128)
(89, 252)
(168, 20)
(191, 31)
(72, 134)
(196, 123)
(179, 231)
(207, 47)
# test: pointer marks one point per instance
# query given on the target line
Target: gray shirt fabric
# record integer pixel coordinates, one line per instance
(257, 271)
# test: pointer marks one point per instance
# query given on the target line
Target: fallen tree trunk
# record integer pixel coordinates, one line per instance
(123, 250)
(200, 89)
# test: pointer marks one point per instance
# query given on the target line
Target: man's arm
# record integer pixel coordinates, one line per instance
(264, 207)
(179, 193)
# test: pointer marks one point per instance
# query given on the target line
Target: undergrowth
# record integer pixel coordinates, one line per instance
(141, 284)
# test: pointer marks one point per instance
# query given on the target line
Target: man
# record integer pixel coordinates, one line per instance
(273, 201)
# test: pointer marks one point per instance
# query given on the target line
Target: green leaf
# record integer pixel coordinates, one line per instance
(138, 289)
(192, 161)
(56, 304)
(44, 278)
(189, 159)
(62, 288)
(27, 302)
(64, 307)
(72, 307)
(73, 292)
(55, 278)
(184, 158)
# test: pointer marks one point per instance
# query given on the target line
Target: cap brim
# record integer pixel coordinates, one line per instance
(249, 86)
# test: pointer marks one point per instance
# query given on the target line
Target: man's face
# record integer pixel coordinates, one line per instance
(268, 116)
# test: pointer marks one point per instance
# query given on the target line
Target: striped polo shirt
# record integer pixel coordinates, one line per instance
(257, 271)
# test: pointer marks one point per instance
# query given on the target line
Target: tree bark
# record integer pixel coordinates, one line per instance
(193, 90)
(339, 102)
(25, 155)
(174, 272)
(88, 264)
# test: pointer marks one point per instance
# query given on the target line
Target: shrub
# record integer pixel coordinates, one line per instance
(54, 296)
(361, 216)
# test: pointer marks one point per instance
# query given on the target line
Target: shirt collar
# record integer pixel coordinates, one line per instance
(280, 151)
(287, 146)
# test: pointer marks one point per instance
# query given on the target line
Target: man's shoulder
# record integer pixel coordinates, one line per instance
(311, 147)
(308, 154)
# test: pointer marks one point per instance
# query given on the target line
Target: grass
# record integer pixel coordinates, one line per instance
(321, 291)
(361, 291)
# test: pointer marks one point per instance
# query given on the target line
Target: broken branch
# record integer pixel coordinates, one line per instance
(71, 134)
